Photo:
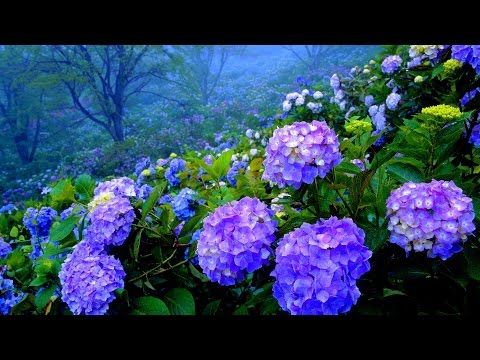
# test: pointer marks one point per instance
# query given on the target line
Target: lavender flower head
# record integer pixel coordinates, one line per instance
(359, 163)
(176, 165)
(318, 265)
(391, 64)
(111, 221)
(392, 100)
(433, 216)
(39, 222)
(467, 54)
(144, 191)
(5, 248)
(184, 204)
(335, 82)
(300, 152)
(233, 171)
(121, 186)
(89, 278)
(235, 240)
(369, 100)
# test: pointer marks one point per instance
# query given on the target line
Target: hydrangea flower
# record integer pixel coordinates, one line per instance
(111, 222)
(359, 163)
(39, 222)
(123, 186)
(475, 137)
(300, 152)
(445, 112)
(451, 65)
(236, 240)
(233, 171)
(5, 248)
(184, 204)
(208, 159)
(78, 208)
(392, 101)
(369, 100)
(249, 133)
(317, 95)
(469, 96)
(9, 209)
(391, 64)
(165, 199)
(467, 54)
(89, 278)
(418, 79)
(317, 266)
(8, 298)
(335, 82)
(176, 165)
(195, 237)
(144, 191)
(38, 244)
(429, 51)
(433, 216)
(144, 163)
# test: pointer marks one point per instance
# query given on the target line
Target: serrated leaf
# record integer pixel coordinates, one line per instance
(211, 308)
(180, 302)
(152, 199)
(55, 251)
(84, 186)
(405, 173)
(202, 277)
(43, 296)
(149, 305)
(347, 167)
(63, 229)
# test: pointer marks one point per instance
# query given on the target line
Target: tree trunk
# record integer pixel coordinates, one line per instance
(118, 128)
(21, 143)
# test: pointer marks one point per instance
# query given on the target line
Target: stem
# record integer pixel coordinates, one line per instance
(159, 266)
(317, 198)
(350, 212)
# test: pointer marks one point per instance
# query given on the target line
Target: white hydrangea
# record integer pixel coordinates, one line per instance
(305, 92)
(300, 101)
(292, 96)
(249, 133)
(286, 106)
(245, 157)
(257, 135)
(253, 152)
(366, 71)
(317, 95)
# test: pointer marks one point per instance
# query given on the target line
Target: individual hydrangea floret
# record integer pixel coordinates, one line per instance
(236, 240)
(300, 152)
(433, 216)
(317, 266)
(359, 163)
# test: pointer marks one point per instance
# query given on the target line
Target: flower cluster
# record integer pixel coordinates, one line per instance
(297, 99)
(176, 165)
(369, 100)
(144, 191)
(427, 51)
(433, 216)
(467, 54)
(418, 79)
(141, 165)
(195, 237)
(469, 96)
(39, 222)
(123, 186)
(358, 127)
(451, 65)
(392, 101)
(89, 278)
(339, 97)
(300, 152)
(391, 64)
(317, 266)
(233, 171)
(236, 240)
(9, 209)
(445, 112)
(8, 299)
(184, 204)
(5, 248)
(359, 163)
(475, 137)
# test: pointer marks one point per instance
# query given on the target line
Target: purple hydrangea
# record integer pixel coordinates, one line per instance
(378, 119)
(123, 186)
(469, 96)
(233, 171)
(176, 165)
(5, 248)
(39, 222)
(208, 159)
(165, 199)
(89, 278)
(144, 191)
(318, 265)
(300, 152)
(467, 54)
(235, 240)
(392, 101)
(359, 163)
(184, 204)
(78, 209)
(369, 100)
(8, 298)
(433, 216)
(111, 221)
(335, 82)
(416, 61)
(475, 137)
(391, 64)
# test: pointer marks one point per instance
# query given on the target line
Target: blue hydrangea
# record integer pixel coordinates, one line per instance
(39, 222)
(393, 100)
(467, 54)
(195, 237)
(8, 298)
(165, 199)
(469, 96)
(77, 209)
(111, 222)
(359, 163)
(38, 244)
(184, 204)
(176, 166)
(89, 278)
(391, 64)
(144, 191)
(475, 137)
(236, 240)
(5, 248)
(433, 216)
(369, 100)
(233, 171)
(9, 209)
(142, 164)
(300, 152)
(317, 266)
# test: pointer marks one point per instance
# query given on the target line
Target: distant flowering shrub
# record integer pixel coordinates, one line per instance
(236, 240)
(317, 266)
(300, 152)
(120, 186)
(433, 216)
(391, 64)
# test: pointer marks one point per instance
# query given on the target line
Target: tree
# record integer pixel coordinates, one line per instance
(101, 79)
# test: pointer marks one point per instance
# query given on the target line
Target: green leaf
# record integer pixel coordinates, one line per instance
(136, 244)
(39, 281)
(202, 277)
(14, 232)
(43, 296)
(190, 224)
(437, 70)
(375, 238)
(63, 192)
(389, 292)
(84, 186)
(26, 303)
(476, 207)
(221, 165)
(152, 199)
(62, 230)
(241, 310)
(180, 302)
(405, 173)
(149, 305)
(473, 262)
(347, 167)
(55, 251)
(211, 308)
